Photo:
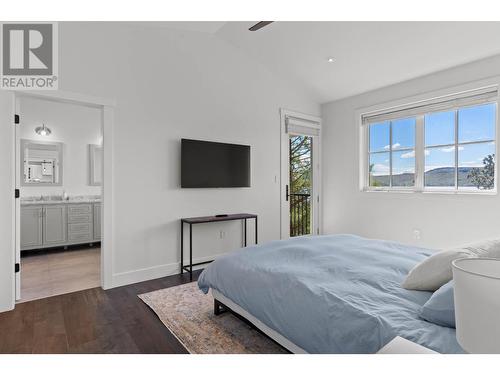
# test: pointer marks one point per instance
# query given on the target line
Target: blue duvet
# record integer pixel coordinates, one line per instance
(330, 294)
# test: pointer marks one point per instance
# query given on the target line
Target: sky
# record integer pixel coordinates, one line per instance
(474, 124)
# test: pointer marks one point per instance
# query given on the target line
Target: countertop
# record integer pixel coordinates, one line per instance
(71, 200)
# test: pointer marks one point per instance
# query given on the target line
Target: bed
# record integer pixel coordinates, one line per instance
(327, 294)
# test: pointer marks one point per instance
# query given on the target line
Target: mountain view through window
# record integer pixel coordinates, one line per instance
(458, 150)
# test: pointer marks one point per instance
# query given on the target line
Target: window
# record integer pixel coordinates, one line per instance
(460, 148)
(446, 145)
(392, 153)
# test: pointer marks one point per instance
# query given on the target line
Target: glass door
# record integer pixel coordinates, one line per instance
(300, 174)
(300, 184)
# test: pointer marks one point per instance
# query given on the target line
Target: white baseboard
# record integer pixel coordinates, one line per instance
(155, 272)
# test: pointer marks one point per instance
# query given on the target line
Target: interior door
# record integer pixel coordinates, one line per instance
(300, 174)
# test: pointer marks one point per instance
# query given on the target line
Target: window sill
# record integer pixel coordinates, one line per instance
(427, 191)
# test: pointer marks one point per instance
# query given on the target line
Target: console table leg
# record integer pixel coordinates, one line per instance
(182, 247)
(245, 223)
(191, 252)
(256, 230)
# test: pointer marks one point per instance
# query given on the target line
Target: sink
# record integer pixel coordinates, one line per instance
(52, 198)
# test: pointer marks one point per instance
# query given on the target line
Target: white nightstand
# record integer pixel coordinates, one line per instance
(399, 345)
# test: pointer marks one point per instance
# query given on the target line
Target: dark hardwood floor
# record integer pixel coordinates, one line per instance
(91, 321)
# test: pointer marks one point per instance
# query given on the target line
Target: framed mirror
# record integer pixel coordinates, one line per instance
(95, 169)
(41, 163)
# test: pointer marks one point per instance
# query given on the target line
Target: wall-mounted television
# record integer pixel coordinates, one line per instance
(214, 165)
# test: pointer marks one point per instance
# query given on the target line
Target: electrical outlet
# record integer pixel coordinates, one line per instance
(416, 234)
(222, 234)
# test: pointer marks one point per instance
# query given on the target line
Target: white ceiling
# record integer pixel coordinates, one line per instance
(368, 55)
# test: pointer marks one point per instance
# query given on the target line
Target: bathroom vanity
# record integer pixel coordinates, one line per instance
(55, 223)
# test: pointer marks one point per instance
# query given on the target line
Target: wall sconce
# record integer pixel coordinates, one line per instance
(43, 130)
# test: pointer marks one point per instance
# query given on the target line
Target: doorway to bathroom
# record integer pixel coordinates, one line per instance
(59, 176)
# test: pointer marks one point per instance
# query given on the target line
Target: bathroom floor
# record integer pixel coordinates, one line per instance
(58, 272)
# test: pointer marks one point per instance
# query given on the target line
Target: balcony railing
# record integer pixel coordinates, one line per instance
(300, 214)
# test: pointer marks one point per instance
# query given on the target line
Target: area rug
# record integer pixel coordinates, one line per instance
(188, 314)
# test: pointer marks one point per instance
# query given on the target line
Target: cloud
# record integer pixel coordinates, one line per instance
(380, 169)
(411, 154)
(471, 163)
(394, 146)
(408, 155)
(451, 148)
(396, 171)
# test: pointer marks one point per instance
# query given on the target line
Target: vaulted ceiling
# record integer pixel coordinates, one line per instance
(366, 55)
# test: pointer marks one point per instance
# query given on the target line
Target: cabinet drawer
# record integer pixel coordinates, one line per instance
(83, 228)
(81, 218)
(79, 209)
(79, 237)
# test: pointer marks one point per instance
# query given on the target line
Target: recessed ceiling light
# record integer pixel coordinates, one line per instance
(331, 59)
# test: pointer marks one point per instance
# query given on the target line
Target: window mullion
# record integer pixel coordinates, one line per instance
(390, 154)
(419, 153)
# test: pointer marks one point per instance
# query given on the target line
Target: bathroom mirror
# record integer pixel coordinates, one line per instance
(95, 154)
(41, 163)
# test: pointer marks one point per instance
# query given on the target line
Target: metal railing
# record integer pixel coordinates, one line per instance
(300, 214)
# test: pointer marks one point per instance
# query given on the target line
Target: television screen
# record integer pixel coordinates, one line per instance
(214, 165)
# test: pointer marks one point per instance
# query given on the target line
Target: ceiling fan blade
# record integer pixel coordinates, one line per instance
(260, 25)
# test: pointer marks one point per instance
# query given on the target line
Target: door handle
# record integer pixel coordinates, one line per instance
(286, 194)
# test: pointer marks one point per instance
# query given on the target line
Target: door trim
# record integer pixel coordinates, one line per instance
(316, 199)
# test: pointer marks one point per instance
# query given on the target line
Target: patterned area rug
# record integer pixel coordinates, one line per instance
(188, 314)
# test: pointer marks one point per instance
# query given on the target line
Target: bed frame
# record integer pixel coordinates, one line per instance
(222, 304)
(220, 308)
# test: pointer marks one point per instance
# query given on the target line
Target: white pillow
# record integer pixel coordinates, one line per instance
(435, 271)
(485, 249)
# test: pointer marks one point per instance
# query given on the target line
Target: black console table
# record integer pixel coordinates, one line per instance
(208, 219)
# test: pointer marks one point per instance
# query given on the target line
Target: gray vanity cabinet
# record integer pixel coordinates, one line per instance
(31, 227)
(97, 221)
(54, 225)
(51, 225)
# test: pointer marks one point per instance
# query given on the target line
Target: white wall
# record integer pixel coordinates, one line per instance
(444, 220)
(169, 85)
(6, 201)
(76, 127)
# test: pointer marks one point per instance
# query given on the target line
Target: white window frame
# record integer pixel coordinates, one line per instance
(425, 100)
